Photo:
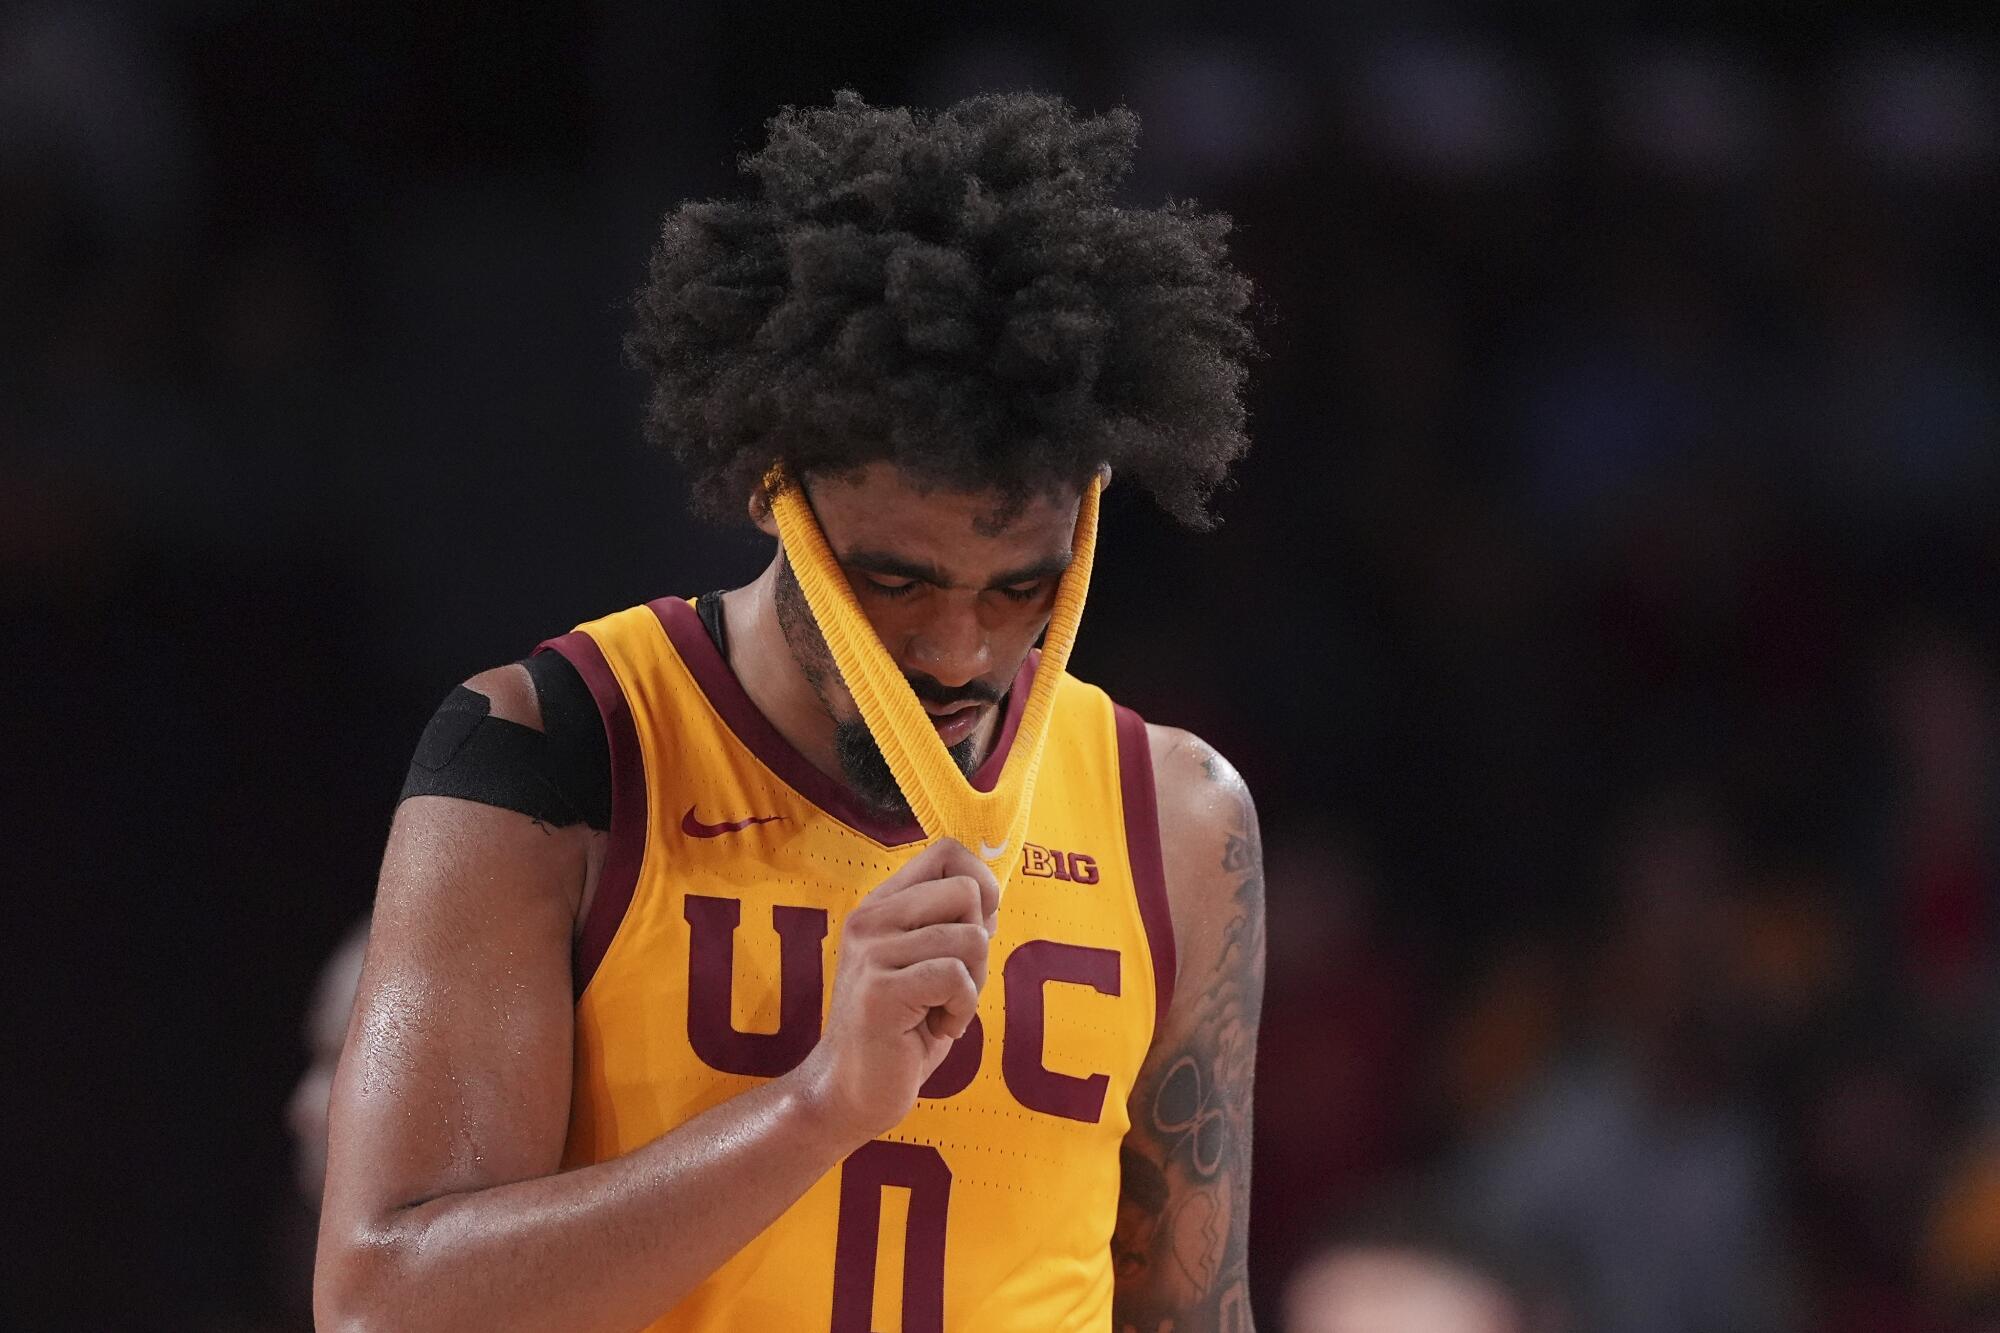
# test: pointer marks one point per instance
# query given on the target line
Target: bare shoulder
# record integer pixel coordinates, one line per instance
(1214, 869)
(1181, 757)
(512, 692)
(452, 856)
(1208, 831)
(574, 852)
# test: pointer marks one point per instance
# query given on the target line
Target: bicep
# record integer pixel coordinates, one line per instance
(456, 1070)
(1184, 1214)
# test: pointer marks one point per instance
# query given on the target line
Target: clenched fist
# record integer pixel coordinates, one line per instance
(912, 964)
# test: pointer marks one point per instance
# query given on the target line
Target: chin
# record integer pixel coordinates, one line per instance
(867, 771)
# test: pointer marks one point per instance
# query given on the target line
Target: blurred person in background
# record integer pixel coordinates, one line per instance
(325, 1035)
(569, 1096)
(1636, 1166)
(1410, 1271)
(1940, 843)
(1895, 1142)
(294, 1227)
(1342, 1018)
(324, 1032)
(1380, 1289)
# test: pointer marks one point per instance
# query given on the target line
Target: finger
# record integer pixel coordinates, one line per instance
(952, 939)
(989, 894)
(959, 861)
(941, 1024)
(927, 865)
(936, 983)
(933, 862)
(956, 898)
(944, 858)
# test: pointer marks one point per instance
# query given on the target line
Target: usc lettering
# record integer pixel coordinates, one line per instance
(1029, 968)
(712, 983)
(716, 1040)
(705, 965)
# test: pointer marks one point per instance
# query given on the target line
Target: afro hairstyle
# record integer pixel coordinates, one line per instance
(955, 292)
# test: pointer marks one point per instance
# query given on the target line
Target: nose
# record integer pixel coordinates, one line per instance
(952, 646)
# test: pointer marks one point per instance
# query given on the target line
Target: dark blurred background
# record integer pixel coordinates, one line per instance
(1608, 608)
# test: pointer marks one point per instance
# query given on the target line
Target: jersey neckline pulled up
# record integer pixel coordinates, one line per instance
(691, 639)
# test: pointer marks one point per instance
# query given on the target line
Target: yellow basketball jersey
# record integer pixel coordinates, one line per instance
(707, 961)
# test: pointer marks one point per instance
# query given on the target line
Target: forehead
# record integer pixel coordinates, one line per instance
(880, 508)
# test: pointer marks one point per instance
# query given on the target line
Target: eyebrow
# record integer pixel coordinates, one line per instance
(895, 566)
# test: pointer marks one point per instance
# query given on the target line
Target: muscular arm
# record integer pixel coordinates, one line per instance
(1184, 1213)
(445, 1206)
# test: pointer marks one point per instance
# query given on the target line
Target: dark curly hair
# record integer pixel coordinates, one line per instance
(955, 292)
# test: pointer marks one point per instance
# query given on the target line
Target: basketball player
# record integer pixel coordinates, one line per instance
(673, 1015)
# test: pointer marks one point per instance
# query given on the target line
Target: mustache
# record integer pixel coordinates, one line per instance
(933, 691)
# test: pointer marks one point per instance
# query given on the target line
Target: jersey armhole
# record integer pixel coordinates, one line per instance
(619, 876)
(1142, 850)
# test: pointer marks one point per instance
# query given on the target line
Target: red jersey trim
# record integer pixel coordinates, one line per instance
(726, 694)
(1142, 848)
(619, 877)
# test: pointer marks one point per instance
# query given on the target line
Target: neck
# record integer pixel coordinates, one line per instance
(771, 676)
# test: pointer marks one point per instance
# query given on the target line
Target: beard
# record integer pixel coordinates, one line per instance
(866, 769)
(863, 766)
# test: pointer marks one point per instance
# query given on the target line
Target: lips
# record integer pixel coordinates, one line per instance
(956, 723)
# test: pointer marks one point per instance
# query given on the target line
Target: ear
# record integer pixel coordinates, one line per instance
(760, 512)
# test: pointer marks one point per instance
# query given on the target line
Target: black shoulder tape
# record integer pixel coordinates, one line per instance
(468, 753)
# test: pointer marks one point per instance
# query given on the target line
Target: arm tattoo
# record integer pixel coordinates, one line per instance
(1183, 1211)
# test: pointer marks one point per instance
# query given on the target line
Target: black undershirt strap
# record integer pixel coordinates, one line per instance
(709, 608)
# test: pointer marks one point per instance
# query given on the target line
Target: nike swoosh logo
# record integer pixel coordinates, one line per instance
(694, 828)
(988, 852)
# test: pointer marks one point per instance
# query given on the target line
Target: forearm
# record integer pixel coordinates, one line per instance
(608, 1246)
(1181, 1249)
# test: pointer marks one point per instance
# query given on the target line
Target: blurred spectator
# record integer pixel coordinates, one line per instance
(1339, 1042)
(1636, 1165)
(325, 1034)
(1943, 852)
(1962, 1244)
(1364, 1290)
(1403, 1272)
(1873, 1128)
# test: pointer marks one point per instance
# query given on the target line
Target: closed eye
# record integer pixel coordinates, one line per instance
(890, 588)
(1022, 592)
